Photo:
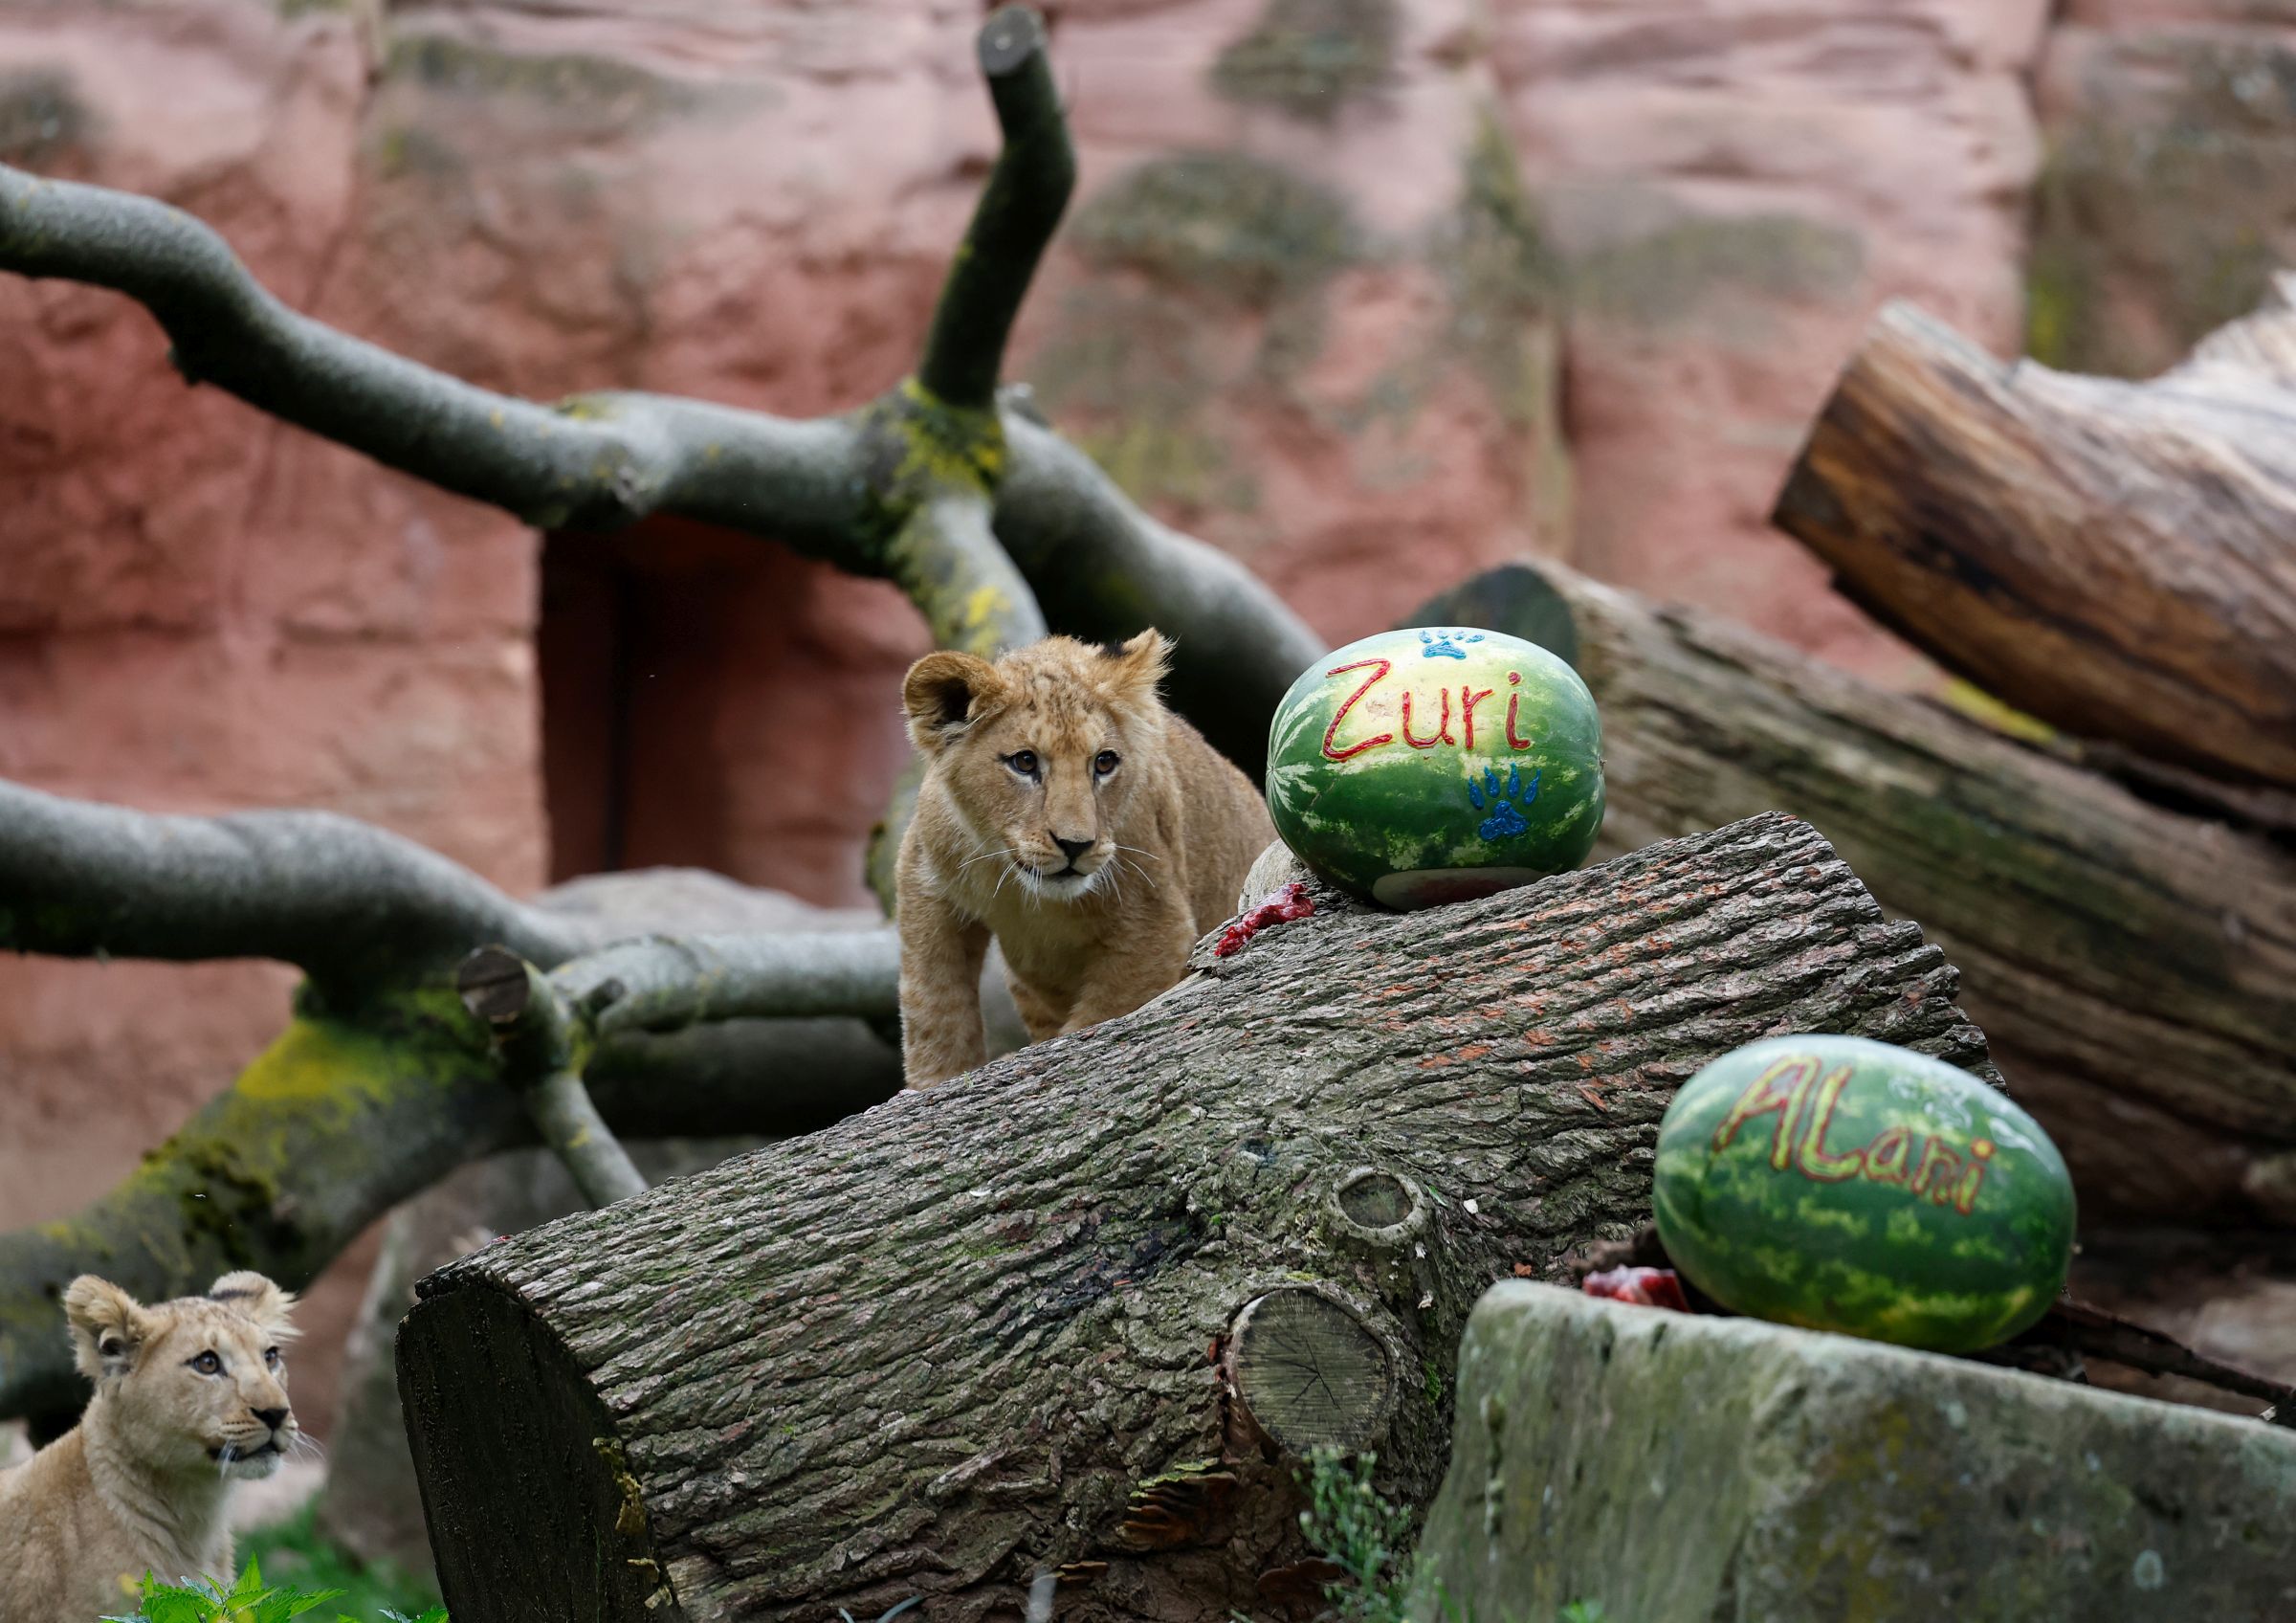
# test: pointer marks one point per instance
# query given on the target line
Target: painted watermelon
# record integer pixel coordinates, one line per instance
(1845, 1185)
(1436, 763)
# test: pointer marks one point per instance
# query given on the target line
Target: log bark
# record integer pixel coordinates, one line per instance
(2133, 968)
(1076, 1309)
(2118, 559)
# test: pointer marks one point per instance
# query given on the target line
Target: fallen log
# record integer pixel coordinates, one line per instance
(1083, 1308)
(2134, 968)
(2116, 557)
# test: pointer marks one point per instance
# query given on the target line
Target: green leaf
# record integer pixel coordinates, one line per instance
(250, 1584)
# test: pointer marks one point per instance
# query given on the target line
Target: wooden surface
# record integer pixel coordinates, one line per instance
(2134, 968)
(2118, 559)
(977, 1332)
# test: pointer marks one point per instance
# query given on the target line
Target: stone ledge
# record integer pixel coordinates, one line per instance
(1683, 1469)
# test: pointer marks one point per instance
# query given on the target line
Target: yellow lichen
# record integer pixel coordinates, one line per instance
(1981, 708)
(984, 604)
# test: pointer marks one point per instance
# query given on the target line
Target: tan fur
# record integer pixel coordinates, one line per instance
(140, 1484)
(1161, 842)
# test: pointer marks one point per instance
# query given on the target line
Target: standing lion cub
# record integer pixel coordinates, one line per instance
(190, 1395)
(1067, 813)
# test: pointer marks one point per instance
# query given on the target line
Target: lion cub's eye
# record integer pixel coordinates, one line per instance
(271, 1356)
(1105, 763)
(1023, 762)
(207, 1364)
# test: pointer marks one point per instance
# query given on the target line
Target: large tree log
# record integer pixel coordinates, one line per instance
(2116, 557)
(1082, 1308)
(2133, 968)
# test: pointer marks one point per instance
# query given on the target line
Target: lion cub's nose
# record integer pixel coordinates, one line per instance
(1072, 848)
(271, 1417)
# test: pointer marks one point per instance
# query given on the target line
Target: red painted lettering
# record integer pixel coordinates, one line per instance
(1513, 700)
(1468, 698)
(1383, 666)
(1443, 728)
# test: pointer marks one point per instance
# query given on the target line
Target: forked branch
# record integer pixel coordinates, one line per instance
(547, 1028)
(933, 485)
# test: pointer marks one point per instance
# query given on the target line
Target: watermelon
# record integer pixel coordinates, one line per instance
(1436, 763)
(1846, 1185)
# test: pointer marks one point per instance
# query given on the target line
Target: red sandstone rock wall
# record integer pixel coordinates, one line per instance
(1371, 292)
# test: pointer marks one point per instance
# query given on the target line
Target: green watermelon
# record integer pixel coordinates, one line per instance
(1433, 765)
(1846, 1185)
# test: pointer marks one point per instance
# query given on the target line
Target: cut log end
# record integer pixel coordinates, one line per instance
(1308, 1373)
(534, 1511)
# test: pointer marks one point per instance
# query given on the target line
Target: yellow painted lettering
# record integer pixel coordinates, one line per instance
(1813, 1160)
(1781, 1088)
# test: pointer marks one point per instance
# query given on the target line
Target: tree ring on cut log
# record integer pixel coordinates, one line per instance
(1307, 1371)
(1378, 1210)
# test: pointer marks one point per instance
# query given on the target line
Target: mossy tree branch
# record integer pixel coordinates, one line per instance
(382, 1083)
(591, 462)
(343, 899)
(932, 485)
(661, 983)
(1027, 193)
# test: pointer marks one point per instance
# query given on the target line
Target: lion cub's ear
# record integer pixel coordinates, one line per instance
(261, 1301)
(946, 693)
(1137, 666)
(107, 1327)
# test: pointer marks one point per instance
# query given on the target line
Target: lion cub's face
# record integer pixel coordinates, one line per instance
(1036, 754)
(196, 1385)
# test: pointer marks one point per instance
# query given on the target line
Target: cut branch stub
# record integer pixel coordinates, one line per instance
(1384, 1220)
(493, 984)
(542, 1044)
(1307, 1372)
(535, 1033)
(1379, 1207)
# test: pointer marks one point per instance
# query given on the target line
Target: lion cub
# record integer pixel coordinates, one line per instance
(1067, 813)
(190, 1395)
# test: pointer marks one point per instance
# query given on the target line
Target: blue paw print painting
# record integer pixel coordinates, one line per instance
(1505, 819)
(1445, 645)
